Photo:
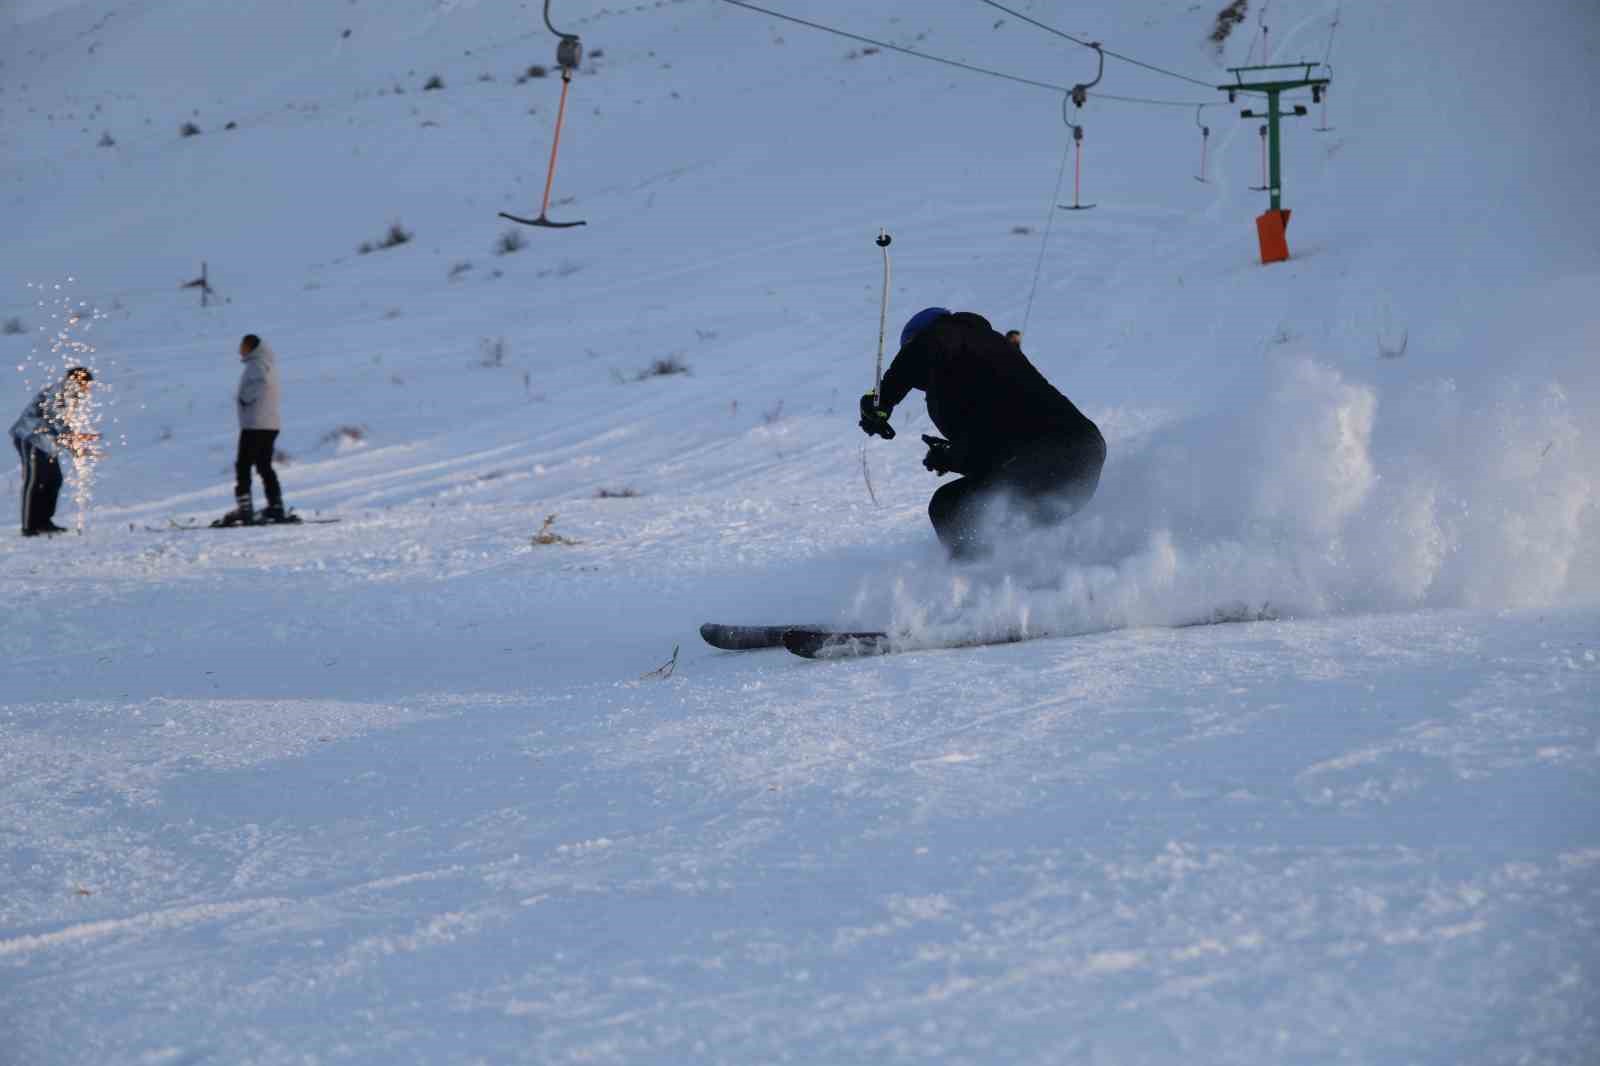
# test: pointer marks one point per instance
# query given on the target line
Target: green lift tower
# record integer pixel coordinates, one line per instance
(1272, 225)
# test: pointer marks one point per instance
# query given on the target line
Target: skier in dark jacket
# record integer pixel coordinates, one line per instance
(43, 431)
(1006, 429)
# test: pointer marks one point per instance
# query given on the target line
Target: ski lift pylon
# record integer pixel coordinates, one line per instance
(569, 55)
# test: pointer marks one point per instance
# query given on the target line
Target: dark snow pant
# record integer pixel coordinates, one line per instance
(1046, 482)
(41, 485)
(255, 451)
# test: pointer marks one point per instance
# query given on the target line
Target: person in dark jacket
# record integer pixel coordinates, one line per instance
(1007, 430)
(40, 435)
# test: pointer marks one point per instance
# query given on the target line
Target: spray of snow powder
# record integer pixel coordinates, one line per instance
(1316, 494)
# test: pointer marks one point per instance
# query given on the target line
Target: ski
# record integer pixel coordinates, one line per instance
(833, 644)
(749, 638)
(173, 526)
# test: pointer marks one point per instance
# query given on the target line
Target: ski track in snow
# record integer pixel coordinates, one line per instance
(403, 790)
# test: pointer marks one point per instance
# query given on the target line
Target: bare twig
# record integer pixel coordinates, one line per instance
(546, 535)
(665, 670)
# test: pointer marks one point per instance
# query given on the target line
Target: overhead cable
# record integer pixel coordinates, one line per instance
(1090, 44)
(1034, 82)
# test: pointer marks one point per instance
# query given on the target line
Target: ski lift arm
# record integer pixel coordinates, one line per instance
(569, 51)
(1080, 92)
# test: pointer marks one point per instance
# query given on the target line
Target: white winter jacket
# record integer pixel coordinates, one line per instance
(258, 390)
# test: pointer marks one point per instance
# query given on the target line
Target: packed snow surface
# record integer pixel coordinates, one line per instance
(453, 780)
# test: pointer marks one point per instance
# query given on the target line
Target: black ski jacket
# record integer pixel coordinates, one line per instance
(983, 394)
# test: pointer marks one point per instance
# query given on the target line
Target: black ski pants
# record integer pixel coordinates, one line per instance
(41, 485)
(255, 452)
(1046, 482)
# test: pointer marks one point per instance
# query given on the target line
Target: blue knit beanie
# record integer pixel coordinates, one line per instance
(921, 321)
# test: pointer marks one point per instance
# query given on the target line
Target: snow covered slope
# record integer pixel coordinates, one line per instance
(396, 789)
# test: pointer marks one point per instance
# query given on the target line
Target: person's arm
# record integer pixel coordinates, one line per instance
(251, 384)
(28, 425)
(41, 424)
(908, 371)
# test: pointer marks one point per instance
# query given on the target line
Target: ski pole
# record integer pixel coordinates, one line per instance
(883, 313)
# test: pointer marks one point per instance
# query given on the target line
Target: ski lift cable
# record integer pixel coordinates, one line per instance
(1034, 82)
(1050, 220)
(903, 51)
(1089, 44)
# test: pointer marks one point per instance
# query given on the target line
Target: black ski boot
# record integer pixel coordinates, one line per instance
(274, 513)
(242, 515)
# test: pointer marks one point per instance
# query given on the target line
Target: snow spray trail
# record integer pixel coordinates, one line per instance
(1316, 495)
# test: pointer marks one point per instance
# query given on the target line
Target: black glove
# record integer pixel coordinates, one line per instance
(938, 458)
(875, 422)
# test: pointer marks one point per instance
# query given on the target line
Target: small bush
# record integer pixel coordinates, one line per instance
(616, 494)
(106, 140)
(459, 269)
(547, 535)
(493, 352)
(344, 437)
(510, 241)
(1227, 19)
(188, 129)
(13, 327)
(231, 126)
(538, 71)
(485, 77)
(433, 84)
(598, 53)
(1021, 231)
(663, 368)
(396, 236)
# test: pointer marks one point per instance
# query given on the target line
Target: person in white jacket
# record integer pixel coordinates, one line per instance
(259, 423)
